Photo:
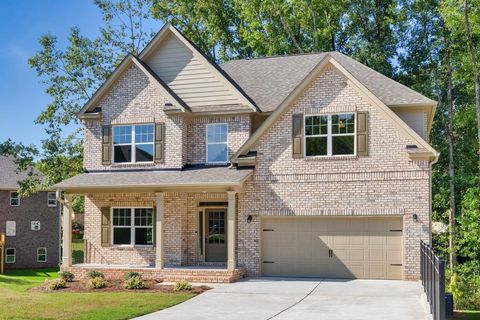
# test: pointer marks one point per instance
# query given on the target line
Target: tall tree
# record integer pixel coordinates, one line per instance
(71, 74)
(476, 76)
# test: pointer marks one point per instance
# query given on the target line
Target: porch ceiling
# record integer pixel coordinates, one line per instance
(201, 178)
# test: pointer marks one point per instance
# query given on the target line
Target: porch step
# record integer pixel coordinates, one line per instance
(202, 275)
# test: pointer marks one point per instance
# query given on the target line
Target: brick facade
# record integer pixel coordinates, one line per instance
(383, 183)
(26, 241)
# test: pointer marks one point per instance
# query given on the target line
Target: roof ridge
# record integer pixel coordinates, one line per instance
(280, 56)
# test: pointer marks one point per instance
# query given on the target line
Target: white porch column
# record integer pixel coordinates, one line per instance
(67, 231)
(159, 231)
(231, 260)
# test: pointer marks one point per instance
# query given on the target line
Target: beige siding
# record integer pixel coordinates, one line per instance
(190, 78)
(415, 119)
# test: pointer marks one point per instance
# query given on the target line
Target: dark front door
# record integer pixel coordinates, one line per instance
(216, 235)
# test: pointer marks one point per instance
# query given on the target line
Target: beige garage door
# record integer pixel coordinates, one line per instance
(360, 247)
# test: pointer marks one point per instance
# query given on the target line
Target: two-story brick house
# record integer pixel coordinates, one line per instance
(307, 165)
(31, 224)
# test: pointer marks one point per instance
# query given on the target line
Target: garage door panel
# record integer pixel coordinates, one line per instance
(362, 247)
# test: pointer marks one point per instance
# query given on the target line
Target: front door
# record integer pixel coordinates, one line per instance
(215, 235)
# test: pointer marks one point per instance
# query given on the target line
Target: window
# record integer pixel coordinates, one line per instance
(35, 225)
(330, 135)
(9, 255)
(51, 199)
(41, 254)
(217, 146)
(132, 226)
(14, 199)
(133, 143)
(11, 228)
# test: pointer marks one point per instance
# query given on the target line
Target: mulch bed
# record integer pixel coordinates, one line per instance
(117, 286)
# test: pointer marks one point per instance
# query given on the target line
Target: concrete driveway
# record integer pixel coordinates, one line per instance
(288, 298)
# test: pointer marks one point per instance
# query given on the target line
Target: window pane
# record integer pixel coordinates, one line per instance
(144, 152)
(144, 133)
(122, 217)
(9, 251)
(343, 145)
(316, 146)
(121, 235)
(343, 123)
(143, 236)
(144, 217)
(123, 154)
(217, 133)
(122, 134)
(316, 125)
(217, 153)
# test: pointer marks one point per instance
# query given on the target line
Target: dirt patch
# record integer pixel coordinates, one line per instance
(117, 286)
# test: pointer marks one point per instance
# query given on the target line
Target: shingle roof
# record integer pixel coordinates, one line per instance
(195, 176)
(9, 177)
(268, 81)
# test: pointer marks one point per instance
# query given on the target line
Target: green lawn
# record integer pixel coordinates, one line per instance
(25, 304)
(466, 315)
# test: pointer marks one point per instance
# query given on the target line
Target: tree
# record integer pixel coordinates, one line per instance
(71, 75)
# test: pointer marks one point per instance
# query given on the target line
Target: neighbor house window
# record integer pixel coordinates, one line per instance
(9, 255)
(133, 143)
(330, 135)
(217, 146)
(51, 199)
(14, 199)
(41, 254)
(132, 226)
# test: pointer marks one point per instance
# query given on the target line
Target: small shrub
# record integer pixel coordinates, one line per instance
(182, 286)
(57, 284)
(135, 282)
(66, 275)
(95, 274)
(131, 274)
(97, 283)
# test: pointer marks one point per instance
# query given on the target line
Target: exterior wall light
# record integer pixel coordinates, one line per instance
(249, 219)
(415, 217)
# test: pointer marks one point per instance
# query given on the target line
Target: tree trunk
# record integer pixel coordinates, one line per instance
(451, 163)
(476, 77)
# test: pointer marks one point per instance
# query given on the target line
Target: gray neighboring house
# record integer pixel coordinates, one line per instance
(31, 224)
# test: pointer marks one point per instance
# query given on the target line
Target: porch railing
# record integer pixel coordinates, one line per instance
(433, 280)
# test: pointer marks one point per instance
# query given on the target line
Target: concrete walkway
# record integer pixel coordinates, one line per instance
(288, 298)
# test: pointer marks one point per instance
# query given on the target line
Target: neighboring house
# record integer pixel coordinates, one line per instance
(31, 224)
(306, 165)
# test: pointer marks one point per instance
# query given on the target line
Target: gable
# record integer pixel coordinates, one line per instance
(367, 96)
(190, 74)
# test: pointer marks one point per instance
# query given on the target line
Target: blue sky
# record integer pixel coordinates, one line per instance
(22, 96)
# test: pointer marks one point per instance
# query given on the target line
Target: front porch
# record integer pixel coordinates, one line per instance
(167, 236)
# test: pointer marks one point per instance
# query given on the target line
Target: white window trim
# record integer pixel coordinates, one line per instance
(14, 255)
(329, 135)
(54, 198)
(208, 143)
(132, 227)
(132, 144)
(46, 256)
(18, 199)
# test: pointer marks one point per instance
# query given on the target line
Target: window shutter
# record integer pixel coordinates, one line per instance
(297, 135)
(159, 142)
(106, 227)
(106, 145)
(362, 129)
